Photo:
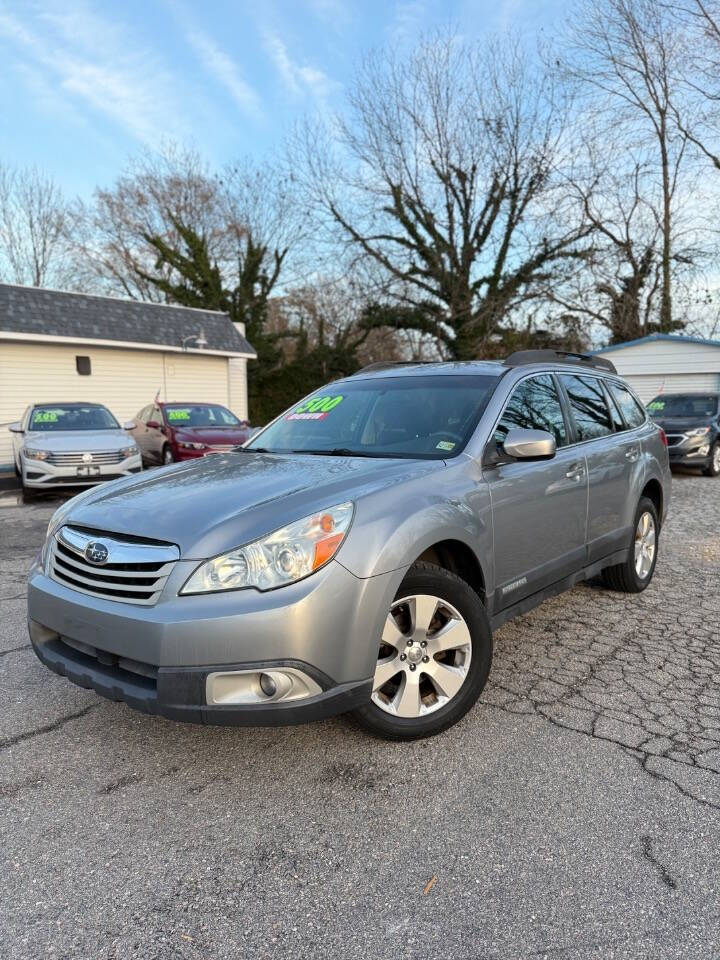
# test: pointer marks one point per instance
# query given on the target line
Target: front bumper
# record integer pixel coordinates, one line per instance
(682, 455)
(157, 658)
(40, 474)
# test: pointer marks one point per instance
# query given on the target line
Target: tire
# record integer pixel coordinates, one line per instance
(713, 468)
(167, 455)
(635, 574)
(458, 644)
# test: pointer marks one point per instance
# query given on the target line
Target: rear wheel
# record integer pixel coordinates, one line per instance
(713, 468)
(634, 575)
(434, 657)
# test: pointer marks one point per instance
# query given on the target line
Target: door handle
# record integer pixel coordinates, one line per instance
(632, 454)
(576, 472)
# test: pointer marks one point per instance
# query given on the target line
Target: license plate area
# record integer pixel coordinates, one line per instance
(88, 471)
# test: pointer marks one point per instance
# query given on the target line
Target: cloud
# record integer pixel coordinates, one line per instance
(408, 20)
(94, 61)
(217, 62)
(299, 80)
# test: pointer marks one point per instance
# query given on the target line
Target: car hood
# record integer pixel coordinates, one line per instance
(212, 435)
(680, 424)
(73, 441)
(209, 506)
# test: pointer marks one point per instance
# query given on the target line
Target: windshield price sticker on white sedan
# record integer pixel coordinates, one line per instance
(316, 408)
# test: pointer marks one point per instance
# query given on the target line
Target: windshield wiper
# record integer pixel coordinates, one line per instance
(341, 452)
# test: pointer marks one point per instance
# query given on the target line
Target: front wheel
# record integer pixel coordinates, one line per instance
(634, 575)
(434, 657)
(713, 468)
(167, 455)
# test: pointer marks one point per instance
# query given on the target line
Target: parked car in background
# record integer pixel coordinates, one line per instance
(356, 553)
(692, 424)
(169, 432)
(71, 444)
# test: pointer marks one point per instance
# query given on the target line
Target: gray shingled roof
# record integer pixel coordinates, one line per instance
(57, 314)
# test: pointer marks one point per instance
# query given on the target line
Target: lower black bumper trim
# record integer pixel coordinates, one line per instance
(179, 693)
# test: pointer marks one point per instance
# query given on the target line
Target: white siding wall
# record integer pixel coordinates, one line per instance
(661, 366)
(648, 386)
(237, 376)
(124, 380)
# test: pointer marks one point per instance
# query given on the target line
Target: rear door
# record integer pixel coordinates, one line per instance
(155, 436)
(614, 462)
(538, 508)
(140, 432)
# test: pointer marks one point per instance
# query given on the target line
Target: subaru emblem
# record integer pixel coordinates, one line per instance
(96, 552)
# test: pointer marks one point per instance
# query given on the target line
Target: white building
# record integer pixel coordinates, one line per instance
(666, 363)
(63, 347)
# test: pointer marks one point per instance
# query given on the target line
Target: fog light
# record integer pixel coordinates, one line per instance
(268, 685)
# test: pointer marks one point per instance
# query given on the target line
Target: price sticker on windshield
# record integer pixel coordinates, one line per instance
(45, 416)
(178, 414)
(656, 405)
(316, 408)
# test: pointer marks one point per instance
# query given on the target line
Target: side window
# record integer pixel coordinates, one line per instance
(156, 415)
(617, 419)
(588, 405)
(144, 414)
(631, 409)
(534, 405)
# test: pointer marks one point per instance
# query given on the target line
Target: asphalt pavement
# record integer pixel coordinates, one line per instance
(574, 813)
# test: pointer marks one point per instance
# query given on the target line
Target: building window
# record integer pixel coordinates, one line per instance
(83, 367)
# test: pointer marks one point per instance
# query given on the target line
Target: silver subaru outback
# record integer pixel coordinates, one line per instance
(357, 553)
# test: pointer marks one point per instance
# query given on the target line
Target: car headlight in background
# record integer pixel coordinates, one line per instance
(187, 445)
(698, 432)
(129, 451)
(283, 557)
(36, 454)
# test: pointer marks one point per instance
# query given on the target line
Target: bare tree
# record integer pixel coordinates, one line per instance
(36, 225)
(700, 19)
(443, 174)
(628, 55)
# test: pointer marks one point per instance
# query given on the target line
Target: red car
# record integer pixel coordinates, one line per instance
(166, 432)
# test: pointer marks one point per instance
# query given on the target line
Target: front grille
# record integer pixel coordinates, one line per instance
(674, 439)
(98, 458)
(134, 572)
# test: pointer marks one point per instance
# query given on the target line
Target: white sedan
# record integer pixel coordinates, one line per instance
(69, 444)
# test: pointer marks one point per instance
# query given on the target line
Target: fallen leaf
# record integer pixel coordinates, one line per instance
(430, 885)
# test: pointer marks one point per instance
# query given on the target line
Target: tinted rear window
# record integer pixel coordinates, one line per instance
(588, 406)
(631, 410)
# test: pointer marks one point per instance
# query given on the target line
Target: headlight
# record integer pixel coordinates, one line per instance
(283, 557)
(186, 445)
(698, 432)
(128, 451)
(36, 454)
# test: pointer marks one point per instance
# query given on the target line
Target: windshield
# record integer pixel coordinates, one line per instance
(199, 415)
(72, 417)
(427, 417)
(683, 405)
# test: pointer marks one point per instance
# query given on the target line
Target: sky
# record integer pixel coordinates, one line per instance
(85, 85)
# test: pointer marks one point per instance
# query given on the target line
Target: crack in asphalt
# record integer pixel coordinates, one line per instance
(641, 672)
(23, 646)
(46, 728)
(663, 872)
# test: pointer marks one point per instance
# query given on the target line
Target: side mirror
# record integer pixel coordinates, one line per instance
(153, 424)
(129, 425)
(530, 445)
(15, 427)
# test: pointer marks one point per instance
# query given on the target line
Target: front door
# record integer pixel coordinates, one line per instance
(539, 508)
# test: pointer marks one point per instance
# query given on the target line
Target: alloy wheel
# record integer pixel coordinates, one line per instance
(645, 543)
(424, 657)
(716, 458)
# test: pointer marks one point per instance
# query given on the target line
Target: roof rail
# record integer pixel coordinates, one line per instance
(522, 357)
